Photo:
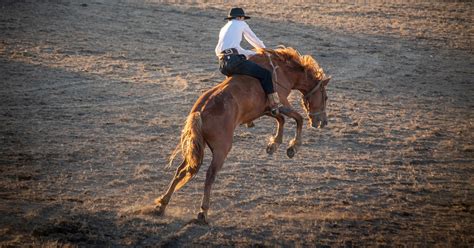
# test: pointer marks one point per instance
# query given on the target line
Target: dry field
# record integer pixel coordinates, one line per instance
(94, 94)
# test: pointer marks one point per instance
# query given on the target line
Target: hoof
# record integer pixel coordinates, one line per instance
(291, 151)
(272, 148)
(158, 210)
(200, 220)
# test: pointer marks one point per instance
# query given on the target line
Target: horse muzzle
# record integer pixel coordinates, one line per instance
(319, 124)
(318, 121)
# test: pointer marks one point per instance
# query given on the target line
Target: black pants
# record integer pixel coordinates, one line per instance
(238, 64)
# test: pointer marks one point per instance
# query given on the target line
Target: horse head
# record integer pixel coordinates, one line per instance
(303, 73)
(314, 103)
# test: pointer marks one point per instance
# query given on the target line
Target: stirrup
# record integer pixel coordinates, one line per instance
(274, 111)
(275, 103)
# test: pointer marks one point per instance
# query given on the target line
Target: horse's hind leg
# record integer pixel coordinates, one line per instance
(276, 140)
(163, 201)
(218, 158)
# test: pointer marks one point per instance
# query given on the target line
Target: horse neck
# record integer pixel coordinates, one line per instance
(287, 78)
(294, 80)
(303, 84)
(284, 76)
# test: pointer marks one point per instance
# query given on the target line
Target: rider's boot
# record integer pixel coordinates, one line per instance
(275, 103)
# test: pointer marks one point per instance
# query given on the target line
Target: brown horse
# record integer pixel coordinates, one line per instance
(240, 99)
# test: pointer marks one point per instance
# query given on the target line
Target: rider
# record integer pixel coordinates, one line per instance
(233, 59)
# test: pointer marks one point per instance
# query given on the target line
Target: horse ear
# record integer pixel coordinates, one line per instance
(326, 81)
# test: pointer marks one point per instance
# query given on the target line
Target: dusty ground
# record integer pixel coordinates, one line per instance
(94, 93)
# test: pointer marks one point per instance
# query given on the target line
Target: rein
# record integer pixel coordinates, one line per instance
(313, 90)
(274, 74)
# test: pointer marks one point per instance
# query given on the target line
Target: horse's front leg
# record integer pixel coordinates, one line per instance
(296, 142)
(276, 140)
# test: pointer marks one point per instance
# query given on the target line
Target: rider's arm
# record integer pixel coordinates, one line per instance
(250, 36)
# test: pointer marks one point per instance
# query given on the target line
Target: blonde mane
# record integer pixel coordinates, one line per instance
(304, 62)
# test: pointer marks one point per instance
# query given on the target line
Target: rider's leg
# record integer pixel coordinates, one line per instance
(252, 69)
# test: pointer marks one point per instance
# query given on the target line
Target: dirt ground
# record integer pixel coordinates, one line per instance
(94, 95)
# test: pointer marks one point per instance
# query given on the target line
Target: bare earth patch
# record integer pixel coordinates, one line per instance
(94, 95)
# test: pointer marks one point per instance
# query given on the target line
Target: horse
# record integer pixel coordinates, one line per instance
(238, 100)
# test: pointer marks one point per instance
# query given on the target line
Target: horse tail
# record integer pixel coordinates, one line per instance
(191, 147)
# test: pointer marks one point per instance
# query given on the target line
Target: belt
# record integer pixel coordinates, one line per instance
(230, 51)
(226, 52)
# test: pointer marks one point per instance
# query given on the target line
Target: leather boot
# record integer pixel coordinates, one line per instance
(275, 103)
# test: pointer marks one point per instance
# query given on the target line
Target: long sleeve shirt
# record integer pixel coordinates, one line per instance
(231, 34)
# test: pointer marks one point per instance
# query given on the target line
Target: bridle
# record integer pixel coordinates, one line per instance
(306, 97)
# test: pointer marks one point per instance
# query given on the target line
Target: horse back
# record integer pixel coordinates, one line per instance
(239, 98)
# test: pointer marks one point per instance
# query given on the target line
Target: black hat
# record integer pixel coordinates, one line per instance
(236, 12)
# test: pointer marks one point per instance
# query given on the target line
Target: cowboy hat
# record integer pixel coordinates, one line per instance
(236, 12)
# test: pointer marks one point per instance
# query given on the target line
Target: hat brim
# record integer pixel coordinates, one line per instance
(232, 17)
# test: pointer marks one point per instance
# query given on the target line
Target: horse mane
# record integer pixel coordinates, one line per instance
(290, 55)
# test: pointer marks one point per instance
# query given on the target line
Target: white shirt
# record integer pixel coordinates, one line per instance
(230, 36)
